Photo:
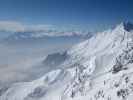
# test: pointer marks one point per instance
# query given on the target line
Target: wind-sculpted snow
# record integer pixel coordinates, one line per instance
(97, 69)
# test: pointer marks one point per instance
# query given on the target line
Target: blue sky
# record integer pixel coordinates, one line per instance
(95, 14)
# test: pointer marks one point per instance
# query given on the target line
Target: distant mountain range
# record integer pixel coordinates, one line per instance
(50, 36)
(48, 33)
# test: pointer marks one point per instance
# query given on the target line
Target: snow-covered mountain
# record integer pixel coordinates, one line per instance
(99, 68)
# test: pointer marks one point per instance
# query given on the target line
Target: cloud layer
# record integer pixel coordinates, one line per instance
(14, 26)
(40, 29)
(11, 26)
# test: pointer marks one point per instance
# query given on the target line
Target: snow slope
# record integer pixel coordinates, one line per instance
(97, 69)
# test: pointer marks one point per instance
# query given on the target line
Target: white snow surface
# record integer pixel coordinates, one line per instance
(97, 69)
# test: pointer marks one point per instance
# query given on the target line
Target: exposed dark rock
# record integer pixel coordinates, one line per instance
(123, 93)
(128, 26)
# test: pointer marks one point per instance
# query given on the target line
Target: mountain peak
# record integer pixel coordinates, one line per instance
(124, 26)
(128, 26)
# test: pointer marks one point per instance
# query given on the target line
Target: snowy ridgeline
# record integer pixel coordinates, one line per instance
(97, 69)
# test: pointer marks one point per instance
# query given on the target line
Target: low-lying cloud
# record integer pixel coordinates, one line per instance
(15, 26)
(11, 26)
